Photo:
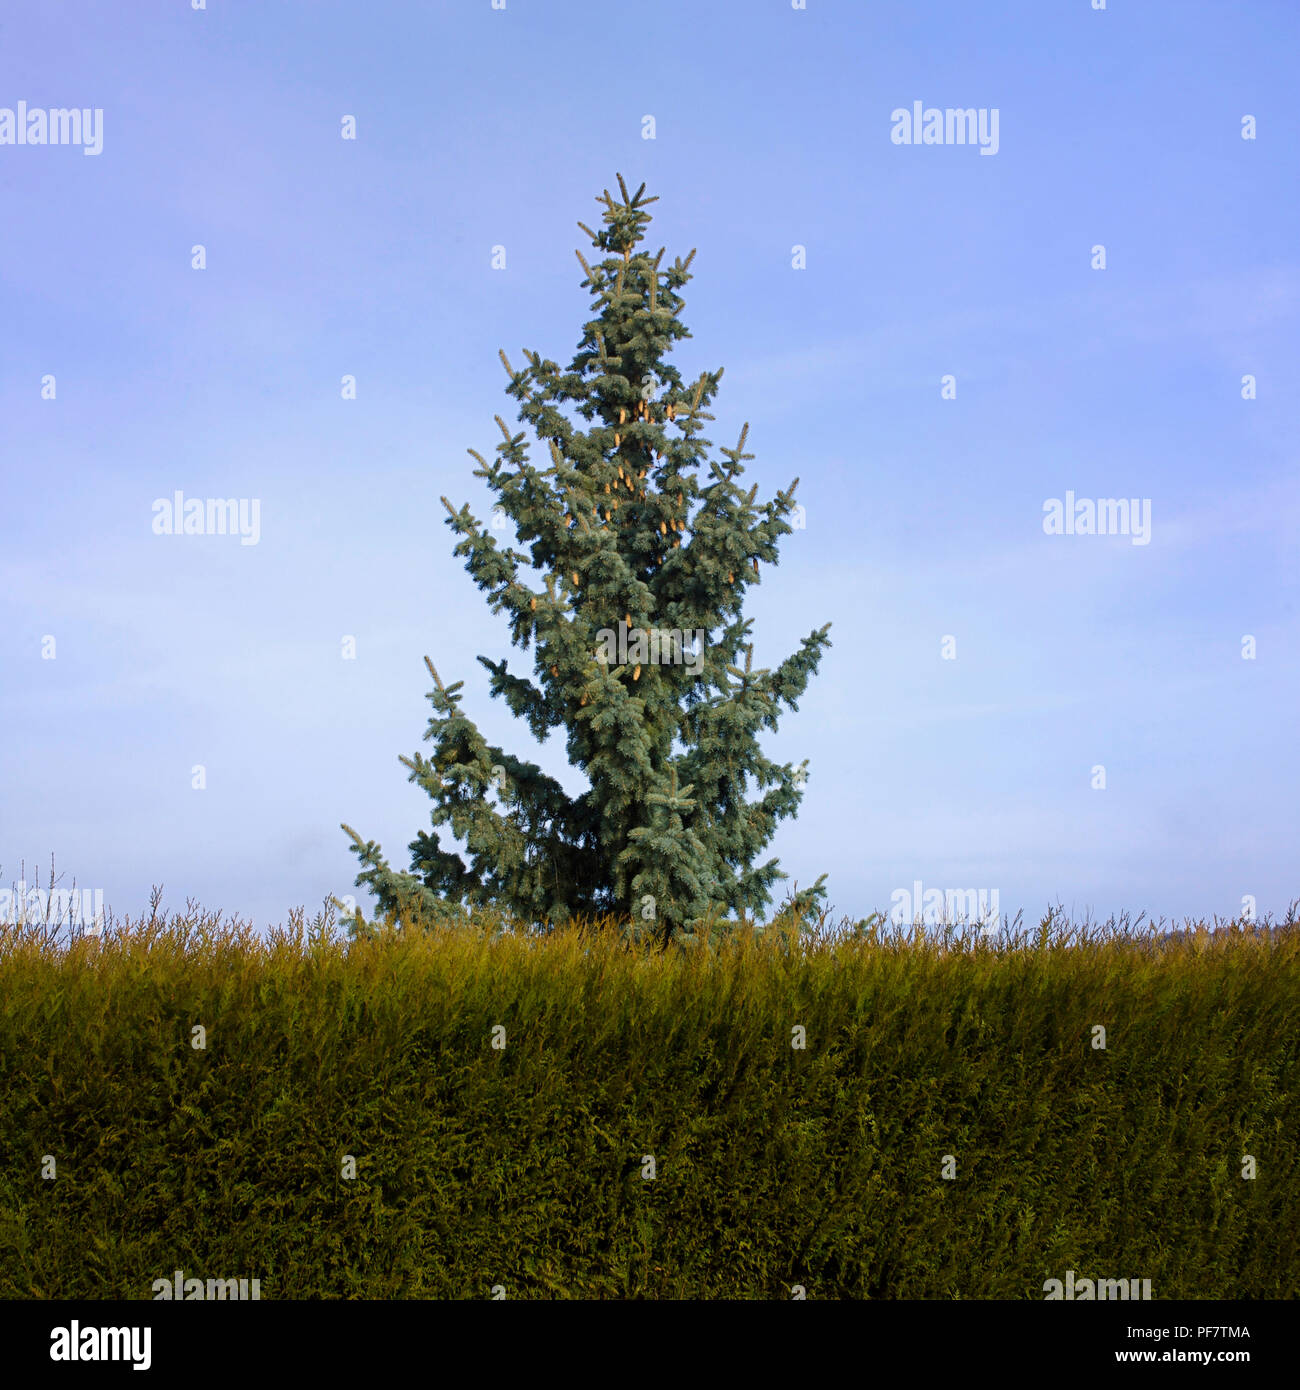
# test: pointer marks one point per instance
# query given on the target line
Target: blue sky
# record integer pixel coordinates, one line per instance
(372, 257)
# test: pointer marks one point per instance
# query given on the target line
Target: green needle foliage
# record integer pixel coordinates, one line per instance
(630, 554)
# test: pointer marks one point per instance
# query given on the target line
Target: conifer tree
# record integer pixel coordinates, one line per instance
(628, 554)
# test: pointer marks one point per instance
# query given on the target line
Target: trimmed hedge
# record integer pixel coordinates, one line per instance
(951, 1126)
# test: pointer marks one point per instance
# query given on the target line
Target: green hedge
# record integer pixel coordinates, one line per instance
(127, 1152)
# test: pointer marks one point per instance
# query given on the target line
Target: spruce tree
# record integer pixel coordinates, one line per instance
(628, 553)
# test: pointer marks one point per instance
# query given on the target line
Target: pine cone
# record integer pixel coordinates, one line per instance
(636, 675)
